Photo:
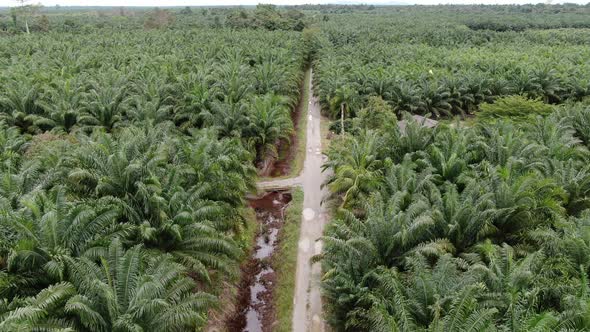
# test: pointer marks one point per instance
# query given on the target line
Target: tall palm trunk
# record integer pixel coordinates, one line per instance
(342, 118)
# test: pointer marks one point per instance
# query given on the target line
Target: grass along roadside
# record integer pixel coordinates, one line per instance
(300, 134)
(297, 165)
(285, 263)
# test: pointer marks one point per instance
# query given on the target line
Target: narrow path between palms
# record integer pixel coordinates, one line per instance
(307, 313)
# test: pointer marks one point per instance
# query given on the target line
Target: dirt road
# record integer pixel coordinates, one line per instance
(307, 312)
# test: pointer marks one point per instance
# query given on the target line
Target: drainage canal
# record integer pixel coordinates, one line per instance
(255, 295)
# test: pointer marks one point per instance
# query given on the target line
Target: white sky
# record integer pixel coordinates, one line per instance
(254, 2)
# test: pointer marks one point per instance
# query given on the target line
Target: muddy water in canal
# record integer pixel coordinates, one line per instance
(255, 295)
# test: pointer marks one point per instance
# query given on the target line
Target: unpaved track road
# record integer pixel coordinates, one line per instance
(307, 312)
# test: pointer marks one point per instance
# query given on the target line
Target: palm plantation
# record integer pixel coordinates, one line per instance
(468, 232)
(131, 140)
(124, 173)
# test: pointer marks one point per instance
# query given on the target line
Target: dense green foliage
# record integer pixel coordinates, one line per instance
(87, 19)
(129, 140)
(222, 79)
(427, 60)
(266, 17)
(126, 157)
(470, 226)
(514, 107)
(471, 229)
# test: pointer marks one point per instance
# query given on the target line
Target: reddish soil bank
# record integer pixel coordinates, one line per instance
(287, 150)
(254, 312)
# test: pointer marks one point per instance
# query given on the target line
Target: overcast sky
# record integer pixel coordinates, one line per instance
(253, 2)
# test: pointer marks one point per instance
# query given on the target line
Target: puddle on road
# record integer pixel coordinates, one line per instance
(254, 313)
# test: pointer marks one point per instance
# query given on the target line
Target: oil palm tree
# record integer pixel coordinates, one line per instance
(152, 100)
(126, 168)
(356, 169)
(50, 230)
(343, 100)
(197, 99)
(435, 98)
(230, 120)
(44, 311)
(18, 102)
(12, 145)
(269, 121)
(580, 121)
(406, 97)
(550, 84)
(202, 160)
(61, 103)
(232, 82)
(106, 103)
(127, 291)
(381, 83)
(466, 314)
(191, 229)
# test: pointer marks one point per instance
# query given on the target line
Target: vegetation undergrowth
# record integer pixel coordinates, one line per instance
(325, 132)
(285, 262)
(299, 160)
(517, 108)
